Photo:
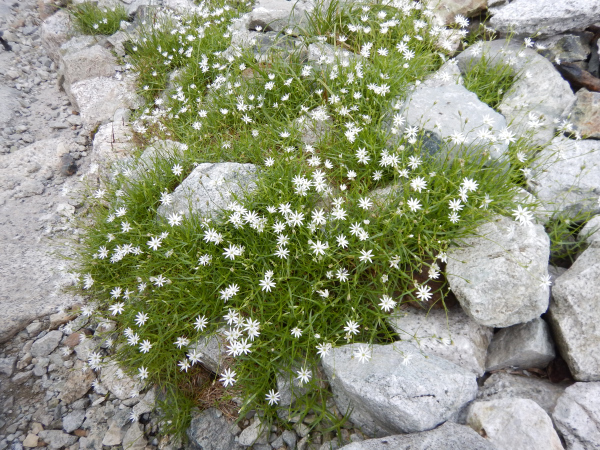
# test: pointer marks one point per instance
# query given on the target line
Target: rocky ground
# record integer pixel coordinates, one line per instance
(49, 395)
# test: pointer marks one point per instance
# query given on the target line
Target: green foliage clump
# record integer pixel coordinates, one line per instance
(96, 20)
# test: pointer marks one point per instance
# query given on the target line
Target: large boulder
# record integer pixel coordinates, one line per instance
(574, 315)
(210, 188)
(275, 15)
(453, 335)
(568, 178)
(447, 10)
(449, 436)
(514, 423)
(98, 99)
(524, 346)
(399, 390)
(54, 32)
(210, 430)
(544, 17)
(529, 93)
(577, 416)
(442, 111)
(499, 274)
(504, 385)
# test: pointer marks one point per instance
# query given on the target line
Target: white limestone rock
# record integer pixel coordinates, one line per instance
(591, 230)
(569, 177)
(432, 390)
(499, 274)
(451, 335)
(577, 416)
(55, 31)
(523, 346)
(574, 315)
(514, 423)
(112, 142)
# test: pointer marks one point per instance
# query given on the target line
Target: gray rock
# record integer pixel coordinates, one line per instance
(273, 15)
(574, 315)
(9, 101)
(544, 17)
(568, 178)
(585, 114)
(256, 433)
(114, 435)
(112, 142)
(213, 351)
(289, 437)
(503, 385)
(591, 230)
(47, 344)
(566, 47)
(577, 416)
(7, 365)
(453, 335)
(323, 54)
(210, 430)
(447, 75)
(444, 110)
(498, 275)
(447, 10)
(145, 405)
(98, 99)
(210, 188)
(57, 439)
(134, 438)
(524, 346)
(73, 420)
(75, 386)
(432, 390)
(22, 377)
(159, 150)
(117, 382)
(513, 423)
(529, 93)
(82, 62)
(55, 31)
(449, 436)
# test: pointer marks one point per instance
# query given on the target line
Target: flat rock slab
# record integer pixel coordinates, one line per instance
(210, 188)
(529, 93)
(444, 110)
(577, 416)
(449, 436)
(514, 423)
(524, 346)
(569, 177)
(546, 17)
(504, 385)
(498, 274)
(575, 315)
(399, 390)
(450, 335)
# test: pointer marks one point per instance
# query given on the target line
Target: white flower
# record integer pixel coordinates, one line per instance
(182, 342)
(418, 184)
(200, 323)
(145, 346)
(546, 281)
(387, 303)
(362, 353)
(227, 377)
(351, 327)
(272, 397)
(423, 293)
(414, 204)
(141, 318)
(365, 203)
(342, 241)
(177, 169)
(142, 373)
(175, 219)
(366, 255)
(523, 215)
(323, 349)
(303, 375)
(319, 248)
(117, 308)
(296, 332)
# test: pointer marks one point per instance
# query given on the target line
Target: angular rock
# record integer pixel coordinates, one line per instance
(529, 93)
(432, 391)
(273, 15)
(117, 382)
(444, 110)
(30, 441)
(449, 436)
(76, 386)
(83, 62)
(168, 150)
(145, 405)
(98, 99)
(112, 142)
(591, 230)
(585, 114)
(503, 385)
(46, 345)
(57, 439)
(513, 423)
(447, 10)
(55, 31)
(254, 434)
(574, 315)
(524, 346)
(566, 48)
(134, 438)
(210, 430)
(9, 101)
(453, 336)
(7, 365)
(73, 420)
(544, 17)
(448, 74)
(210, 188)
(498, 274)
(114, 435)
(212, 350)
(577, 416)
(568, 178)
